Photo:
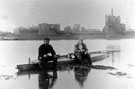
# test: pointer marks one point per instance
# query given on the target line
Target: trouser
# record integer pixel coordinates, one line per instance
(44, 61)
(82, 57)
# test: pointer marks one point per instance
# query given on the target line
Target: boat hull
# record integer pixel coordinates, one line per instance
(35, 66)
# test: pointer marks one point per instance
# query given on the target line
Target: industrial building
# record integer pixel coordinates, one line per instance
(113, 26)
(48, 29)
(41, 29)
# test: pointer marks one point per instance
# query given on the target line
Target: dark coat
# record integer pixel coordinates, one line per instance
(45, 49)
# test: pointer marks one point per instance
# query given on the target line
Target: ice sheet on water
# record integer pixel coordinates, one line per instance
(125, 72)
(7, 72)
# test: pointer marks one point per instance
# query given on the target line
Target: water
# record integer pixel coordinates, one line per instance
(100, 76)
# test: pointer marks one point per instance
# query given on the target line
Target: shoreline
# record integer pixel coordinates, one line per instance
(67, 38)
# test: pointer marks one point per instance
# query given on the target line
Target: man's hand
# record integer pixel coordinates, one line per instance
(56, 56)
(86, 52)
(82, 50)
(46, 55)
(39, 58)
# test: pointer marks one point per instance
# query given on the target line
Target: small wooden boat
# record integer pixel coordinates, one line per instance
(35, 65)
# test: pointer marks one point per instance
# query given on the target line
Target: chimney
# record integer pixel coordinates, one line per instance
(111, 12)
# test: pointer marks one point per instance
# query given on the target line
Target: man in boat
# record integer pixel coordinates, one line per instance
(81, 52)
(46, 54)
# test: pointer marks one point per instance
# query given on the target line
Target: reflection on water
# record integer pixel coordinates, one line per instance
(103, 67)
(108, 73)
(46, 81)
(81, 74)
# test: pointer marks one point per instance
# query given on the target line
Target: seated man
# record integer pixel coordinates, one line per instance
(46, 53)
(81, 52)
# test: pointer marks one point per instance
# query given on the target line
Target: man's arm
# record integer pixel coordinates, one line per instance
(86, 49)
(76, 48)
(52, 51)
(39, 53)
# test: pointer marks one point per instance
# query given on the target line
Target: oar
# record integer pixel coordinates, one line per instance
(97, 52)
(104, 51)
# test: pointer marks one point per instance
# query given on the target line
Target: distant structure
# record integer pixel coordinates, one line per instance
(48, 29)
(17, 30)
(41, 29)
(68, 29)
(113, 26)
(83, 29)
(76, 28)
(26, 31)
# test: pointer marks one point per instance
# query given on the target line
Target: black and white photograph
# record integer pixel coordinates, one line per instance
(67, 44)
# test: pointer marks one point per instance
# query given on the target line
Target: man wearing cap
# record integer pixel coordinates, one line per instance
(46, 53)
(81, 52)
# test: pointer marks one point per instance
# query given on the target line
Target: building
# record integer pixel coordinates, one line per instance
(19, 30)
(93, 30)
(76, 28)
(48, 29)
(113, 26)
(26, 31)
(41, 29)
(68, 29)
(83, 29)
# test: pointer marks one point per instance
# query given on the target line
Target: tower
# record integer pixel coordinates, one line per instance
(111, 12)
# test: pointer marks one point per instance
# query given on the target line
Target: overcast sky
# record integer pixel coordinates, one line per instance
(88, 13)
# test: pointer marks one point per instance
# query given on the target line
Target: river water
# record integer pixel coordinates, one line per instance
(101, 76)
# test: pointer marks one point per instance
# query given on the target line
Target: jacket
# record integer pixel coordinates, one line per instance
(45, 49)
(84, 47)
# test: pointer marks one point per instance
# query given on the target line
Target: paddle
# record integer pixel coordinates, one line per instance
(104, 51)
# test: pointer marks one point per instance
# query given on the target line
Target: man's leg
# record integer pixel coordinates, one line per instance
(88, 57)
(78, 58)
(54, 62)
(51, 58)
(42, 63)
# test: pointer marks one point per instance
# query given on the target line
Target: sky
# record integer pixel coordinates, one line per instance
(88, 13)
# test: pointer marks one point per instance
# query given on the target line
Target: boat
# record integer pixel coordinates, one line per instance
(96, 56)
(65, 61)
(10, 38)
